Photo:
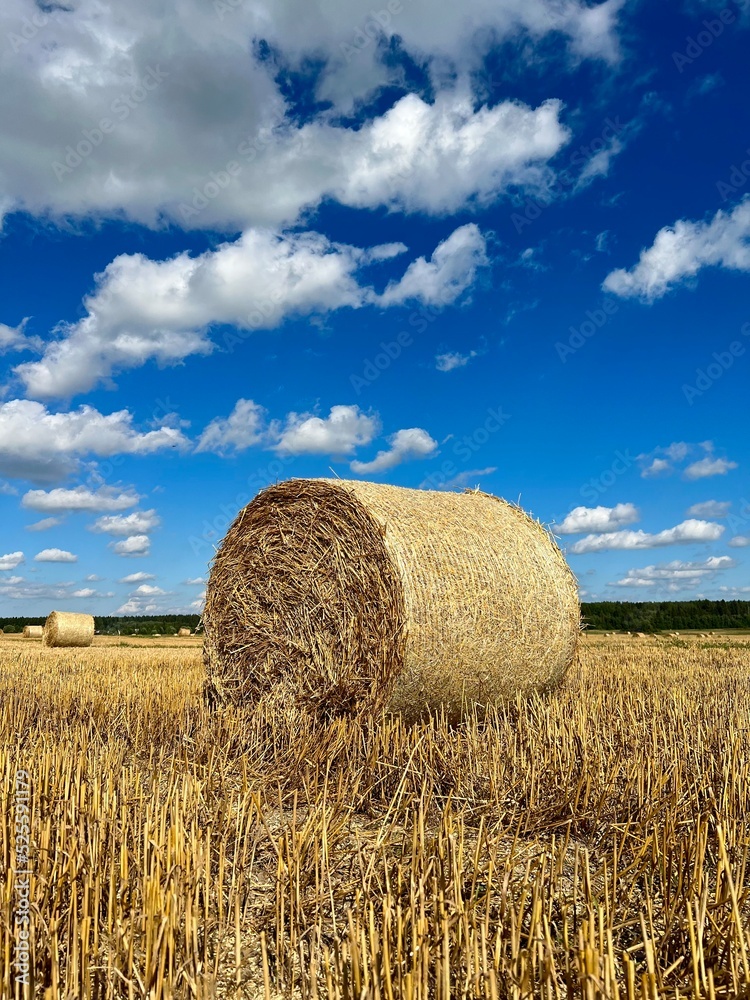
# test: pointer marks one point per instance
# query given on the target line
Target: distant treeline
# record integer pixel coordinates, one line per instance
(651, 616)
(118, 625)
(657, 616)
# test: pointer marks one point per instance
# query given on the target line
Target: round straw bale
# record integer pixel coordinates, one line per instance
(66, 628)
(33, 631)
(184, 631)
(344, 597)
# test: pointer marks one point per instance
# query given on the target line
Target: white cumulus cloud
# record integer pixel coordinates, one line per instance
(340, 433)
(675, 575)
(709, 466)
(10, 560)
(95, 84)
(137, 577)
(597, 519)
(449, 272)
(688, 531)
(140, 522)
(710, 508)
(150, 310)
(43, 447)
(243, 428)
(135, 545)
(56, 556)
(680, 251)
(80, 499)
(404, 445)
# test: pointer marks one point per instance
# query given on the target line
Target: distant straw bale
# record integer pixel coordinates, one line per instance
(33, 631)
(66, 628)
(348, 597)
(184, 631)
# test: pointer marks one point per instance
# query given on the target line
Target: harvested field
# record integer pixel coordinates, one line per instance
(592, 842)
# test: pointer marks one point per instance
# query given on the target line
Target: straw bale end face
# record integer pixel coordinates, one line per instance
(68, 629)
(347, 597)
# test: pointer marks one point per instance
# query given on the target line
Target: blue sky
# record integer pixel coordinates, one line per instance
(434, 245)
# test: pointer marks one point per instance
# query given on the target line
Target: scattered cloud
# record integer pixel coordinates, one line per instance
(149, 310)
(140, 522)
(453, 359)
(676, 575)
(13, 338)
(710, 508)
(462, 480)
(136, 545)
(146, 590)
(446, 276)
(45, 447)
(45, 524)
(598, 165)
(662, 461)
(197, 581)
(55, 556)
(405, 445)
(80, 499)
(739, 541)
(597, 519)
(138, 606)
(137, 578)
(688, 531)
(10, 560)
(243, 428)
(680, 251)
(90, 592)
(340, 433)
(707, 467)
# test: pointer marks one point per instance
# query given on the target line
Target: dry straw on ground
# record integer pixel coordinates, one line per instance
(348, 596)
(66, 628)
(33, 631)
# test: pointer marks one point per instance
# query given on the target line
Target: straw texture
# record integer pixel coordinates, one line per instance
(349, 596)
(33, 631)
(66, 628)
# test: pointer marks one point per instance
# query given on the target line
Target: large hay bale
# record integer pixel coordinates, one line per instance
(347, 596)
(33, 631)
(184, 631)
(67, 628)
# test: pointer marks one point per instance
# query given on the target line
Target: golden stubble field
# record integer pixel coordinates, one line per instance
(589, 843)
